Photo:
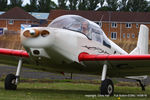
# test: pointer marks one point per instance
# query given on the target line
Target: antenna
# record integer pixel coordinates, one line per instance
(101, 19)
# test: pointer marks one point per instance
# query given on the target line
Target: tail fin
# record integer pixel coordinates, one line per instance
(142, 43)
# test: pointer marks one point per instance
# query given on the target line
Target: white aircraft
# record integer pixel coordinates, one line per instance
(74, 44)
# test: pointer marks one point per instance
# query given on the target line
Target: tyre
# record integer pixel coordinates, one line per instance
(10, 82)
(107, 87)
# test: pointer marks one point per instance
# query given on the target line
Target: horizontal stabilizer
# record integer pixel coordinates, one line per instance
(137, 77)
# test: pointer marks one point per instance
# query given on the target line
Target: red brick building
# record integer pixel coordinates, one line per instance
(12, 19)
(116, 25)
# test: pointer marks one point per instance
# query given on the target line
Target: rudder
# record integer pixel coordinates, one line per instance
(142, 43)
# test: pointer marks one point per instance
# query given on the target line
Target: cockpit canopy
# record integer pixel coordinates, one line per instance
(82, 25)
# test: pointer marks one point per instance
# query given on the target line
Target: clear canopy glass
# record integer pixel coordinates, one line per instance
(81, 25)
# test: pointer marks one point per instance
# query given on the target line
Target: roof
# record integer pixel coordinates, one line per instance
(35, 14)
(39, 15)
(104, 15)
(1, 12)
(17, 13)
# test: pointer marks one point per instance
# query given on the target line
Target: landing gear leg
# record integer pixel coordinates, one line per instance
(142, 85)
(12, 80)
(107, 87)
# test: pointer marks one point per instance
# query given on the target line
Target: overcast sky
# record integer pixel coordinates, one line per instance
(28, 1)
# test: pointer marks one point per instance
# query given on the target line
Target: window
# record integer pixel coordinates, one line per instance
(99, 23)
(113, 25)
(11, 22)
(128, 35)
(133, 35)
(128, 25)
(1, 31)
(137, 25)
(124, 35)
(114, 35)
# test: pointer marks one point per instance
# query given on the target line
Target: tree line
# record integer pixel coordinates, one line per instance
(95, 5)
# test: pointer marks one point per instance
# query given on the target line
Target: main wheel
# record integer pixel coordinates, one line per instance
(107, 87)
(10, 82)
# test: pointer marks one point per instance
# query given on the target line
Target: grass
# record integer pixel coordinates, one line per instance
(67, 91)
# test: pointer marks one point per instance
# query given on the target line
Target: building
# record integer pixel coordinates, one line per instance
(42, 17)
(1, 12)
(116, 25)
(14, 18)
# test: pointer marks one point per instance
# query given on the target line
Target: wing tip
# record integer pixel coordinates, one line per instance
(81, 56)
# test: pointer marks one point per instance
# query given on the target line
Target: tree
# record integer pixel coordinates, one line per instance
(3, 5)
(138, 5)
(101, 3)
(46, 5)
(104, 8)
(83, 5)
(92, 4)
(32, 7)
(73, 4)
(62, 4)
(112, 5)
(14, 3)
(123, 5)
(148, 8)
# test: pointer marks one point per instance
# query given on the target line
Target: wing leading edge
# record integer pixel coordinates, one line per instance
(11, 52)
(91, 57)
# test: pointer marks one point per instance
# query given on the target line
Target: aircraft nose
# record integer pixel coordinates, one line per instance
(37, 37)
(39, 52)
(32, 33)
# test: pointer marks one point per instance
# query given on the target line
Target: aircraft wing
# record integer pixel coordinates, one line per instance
(119, 65)
(92, 57)
(11, 52)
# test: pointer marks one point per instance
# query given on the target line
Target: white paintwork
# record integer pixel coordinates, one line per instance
(137, 77)
(104, 72)
(18, 70)
(142, 44)
(19, 67)
(42, 52)
(62, 47)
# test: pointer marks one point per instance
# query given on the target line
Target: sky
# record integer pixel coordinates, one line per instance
(28, 1)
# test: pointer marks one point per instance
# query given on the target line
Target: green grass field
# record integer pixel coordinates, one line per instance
(67, 91)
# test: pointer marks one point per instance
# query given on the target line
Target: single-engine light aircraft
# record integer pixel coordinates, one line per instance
(73, 44)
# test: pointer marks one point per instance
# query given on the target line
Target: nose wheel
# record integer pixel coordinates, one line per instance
(11, 80)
